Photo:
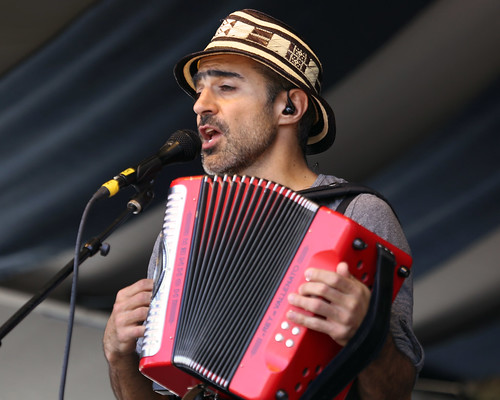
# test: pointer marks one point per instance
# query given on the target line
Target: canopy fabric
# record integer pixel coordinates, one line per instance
(101, 95)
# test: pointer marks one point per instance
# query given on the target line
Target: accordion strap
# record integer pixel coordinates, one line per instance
(198, 392)
(349, 191)
(337, 189)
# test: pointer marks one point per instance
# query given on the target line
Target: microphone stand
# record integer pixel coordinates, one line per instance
(135, 205)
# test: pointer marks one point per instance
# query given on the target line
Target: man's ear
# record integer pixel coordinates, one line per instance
(293, 104)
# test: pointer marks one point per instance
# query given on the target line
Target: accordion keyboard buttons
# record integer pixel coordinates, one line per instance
(285, 335)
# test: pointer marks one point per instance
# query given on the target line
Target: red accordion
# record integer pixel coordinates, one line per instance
(232, 249)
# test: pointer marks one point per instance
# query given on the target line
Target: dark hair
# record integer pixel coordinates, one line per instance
(277, 84)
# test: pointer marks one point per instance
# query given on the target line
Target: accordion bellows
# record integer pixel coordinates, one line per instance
(232, 250)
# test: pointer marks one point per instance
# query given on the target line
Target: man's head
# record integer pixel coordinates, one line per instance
(282, 57)
(236, 120)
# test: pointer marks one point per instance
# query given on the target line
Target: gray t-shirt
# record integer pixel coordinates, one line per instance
(377, 216)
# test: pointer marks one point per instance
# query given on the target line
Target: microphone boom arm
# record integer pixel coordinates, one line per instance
(134, 206)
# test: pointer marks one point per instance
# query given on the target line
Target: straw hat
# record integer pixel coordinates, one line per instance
(270, 42)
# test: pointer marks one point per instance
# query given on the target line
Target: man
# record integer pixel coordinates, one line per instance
(259, 112)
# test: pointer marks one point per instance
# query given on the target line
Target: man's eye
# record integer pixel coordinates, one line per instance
(226, 88)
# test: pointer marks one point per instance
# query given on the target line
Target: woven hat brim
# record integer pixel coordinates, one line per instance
(322, 133)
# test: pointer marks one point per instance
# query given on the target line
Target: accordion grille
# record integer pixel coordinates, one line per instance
(246, 234)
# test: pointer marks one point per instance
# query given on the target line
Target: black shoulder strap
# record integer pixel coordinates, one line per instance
(347, 190)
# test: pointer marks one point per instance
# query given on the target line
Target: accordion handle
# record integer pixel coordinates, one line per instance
(369, 339)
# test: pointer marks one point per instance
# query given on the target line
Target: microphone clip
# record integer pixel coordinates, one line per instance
(145, 195)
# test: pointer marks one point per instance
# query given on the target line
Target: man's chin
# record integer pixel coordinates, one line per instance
(218, 170)
(210, 167)
(220, 164)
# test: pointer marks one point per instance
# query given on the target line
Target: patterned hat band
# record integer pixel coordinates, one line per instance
(270, 42)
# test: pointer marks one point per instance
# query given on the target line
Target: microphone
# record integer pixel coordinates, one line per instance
(183, 145)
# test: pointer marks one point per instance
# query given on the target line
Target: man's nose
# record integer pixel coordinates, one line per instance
(205, 103)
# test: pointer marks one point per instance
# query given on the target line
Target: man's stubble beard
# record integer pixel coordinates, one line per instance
(239, 149)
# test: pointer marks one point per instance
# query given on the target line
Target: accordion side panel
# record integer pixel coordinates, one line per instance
(166, 300)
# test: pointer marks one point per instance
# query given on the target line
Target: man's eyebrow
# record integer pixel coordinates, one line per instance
(216, 73)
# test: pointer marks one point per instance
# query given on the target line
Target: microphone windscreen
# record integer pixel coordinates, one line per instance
(189, 143)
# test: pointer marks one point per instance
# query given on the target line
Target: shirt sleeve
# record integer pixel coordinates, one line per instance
(377, 216)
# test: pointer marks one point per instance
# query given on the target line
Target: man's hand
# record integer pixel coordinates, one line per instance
(125, 324)
(338, 301)
(124, 327)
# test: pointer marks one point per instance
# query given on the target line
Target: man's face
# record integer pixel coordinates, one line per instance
(235, 120)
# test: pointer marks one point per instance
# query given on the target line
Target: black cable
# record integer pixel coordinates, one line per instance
(135, 206)
(71, 318)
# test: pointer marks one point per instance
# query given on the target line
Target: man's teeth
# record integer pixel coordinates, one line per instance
(210, 133)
